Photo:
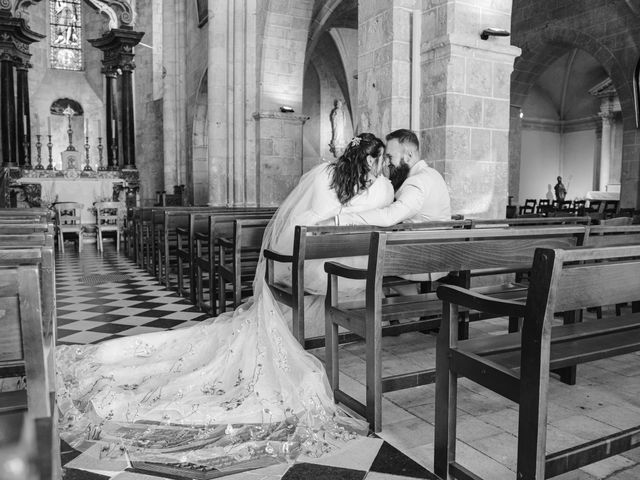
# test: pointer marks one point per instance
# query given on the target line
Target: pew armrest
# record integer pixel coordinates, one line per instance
(277, 257)
(477, 301)
(341, 270)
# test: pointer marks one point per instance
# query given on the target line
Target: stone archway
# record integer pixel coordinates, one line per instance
(539, 50)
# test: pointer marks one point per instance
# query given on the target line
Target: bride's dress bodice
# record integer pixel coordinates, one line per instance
(225, 386)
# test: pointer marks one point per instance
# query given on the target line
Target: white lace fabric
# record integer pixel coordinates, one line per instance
(236, 387)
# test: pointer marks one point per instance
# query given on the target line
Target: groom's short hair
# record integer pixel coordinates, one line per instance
(404, 136)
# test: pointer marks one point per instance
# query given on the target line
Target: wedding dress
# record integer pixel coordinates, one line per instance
(233, 388)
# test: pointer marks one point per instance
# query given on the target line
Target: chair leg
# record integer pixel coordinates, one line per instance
(222, 294)
(373, 348)
(118, 241)
(446, 397)
(80, 242)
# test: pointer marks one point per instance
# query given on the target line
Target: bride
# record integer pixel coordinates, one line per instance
(235, 388)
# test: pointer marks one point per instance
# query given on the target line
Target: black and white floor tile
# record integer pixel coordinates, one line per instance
(105, 296)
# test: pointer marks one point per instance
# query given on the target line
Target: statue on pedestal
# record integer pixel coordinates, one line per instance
(338, 118)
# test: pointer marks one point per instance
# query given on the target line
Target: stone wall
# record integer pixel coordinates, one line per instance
(610, 32)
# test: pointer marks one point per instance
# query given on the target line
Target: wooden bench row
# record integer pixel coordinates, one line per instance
(28, 323)
(496, 250)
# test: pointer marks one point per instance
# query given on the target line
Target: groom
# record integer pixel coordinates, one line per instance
(421, 193)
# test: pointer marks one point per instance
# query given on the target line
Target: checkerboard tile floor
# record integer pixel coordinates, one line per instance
(105, 296)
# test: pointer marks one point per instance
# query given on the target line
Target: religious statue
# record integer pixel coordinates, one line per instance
(337, 117)
(560, 189)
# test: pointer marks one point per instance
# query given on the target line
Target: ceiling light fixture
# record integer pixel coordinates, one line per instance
(494, 32)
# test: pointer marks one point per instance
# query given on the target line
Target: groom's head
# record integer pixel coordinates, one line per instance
(402, 152)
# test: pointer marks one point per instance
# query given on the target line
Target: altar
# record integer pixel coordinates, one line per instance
(73, 186)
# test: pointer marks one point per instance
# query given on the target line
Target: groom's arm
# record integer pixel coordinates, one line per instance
(408, 203)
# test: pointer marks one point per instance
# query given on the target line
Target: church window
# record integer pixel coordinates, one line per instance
(66, 34)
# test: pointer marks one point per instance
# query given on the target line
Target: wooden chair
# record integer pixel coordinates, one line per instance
(529, 207)
(109, 217)
(595, 206)
(23, 344)
(68, 220)
(517, 365)
(610, 208)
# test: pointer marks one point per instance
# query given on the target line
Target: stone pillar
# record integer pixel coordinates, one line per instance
(128, 122)
(280, 155)
(23, 120)
(117, 46)
(466, 103)
(174, 98)
(7, 112)
(15, 38)
(111, 107)
(231, 101)
(384, 65)
(605, 149)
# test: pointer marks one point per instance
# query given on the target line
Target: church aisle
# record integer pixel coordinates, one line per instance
(104, 296)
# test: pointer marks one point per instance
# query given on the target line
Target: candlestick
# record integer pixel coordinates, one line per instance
(50, 147)
(113, 128)
(87, 167)
(114, 156)
(39, 152)
(24, 124)
(100, 147)
(27, 160)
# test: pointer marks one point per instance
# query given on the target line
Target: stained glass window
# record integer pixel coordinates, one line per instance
(66, 34)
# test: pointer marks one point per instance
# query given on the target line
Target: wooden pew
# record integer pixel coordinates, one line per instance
(326, 242)
(186, 240)
(165, 222)
(23, 345)
(238, 258)
(417, 252)
(220, 225)
(517, 365)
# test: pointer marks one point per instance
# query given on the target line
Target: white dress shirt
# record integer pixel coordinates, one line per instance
(423, 197)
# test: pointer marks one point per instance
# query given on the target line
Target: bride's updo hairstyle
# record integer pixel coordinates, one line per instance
(350, 171)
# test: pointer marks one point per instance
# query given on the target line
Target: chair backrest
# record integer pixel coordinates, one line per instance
(68, 214)
(108, 213)
(530, 202)
(565, 280)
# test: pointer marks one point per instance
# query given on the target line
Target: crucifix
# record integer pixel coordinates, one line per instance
(69, 112)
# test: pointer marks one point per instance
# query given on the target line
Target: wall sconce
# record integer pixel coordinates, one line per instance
(494, 32)
(286, 109)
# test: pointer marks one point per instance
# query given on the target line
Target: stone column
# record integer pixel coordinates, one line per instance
(605, 149)
(117, 46)
(15, 38)
(231, 101)
(23, 120)
(111, 107)
(384, 65)
(128, 122)
(466, 102)
(7, 112)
